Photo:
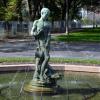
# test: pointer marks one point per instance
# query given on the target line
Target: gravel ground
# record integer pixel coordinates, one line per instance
(23, 48)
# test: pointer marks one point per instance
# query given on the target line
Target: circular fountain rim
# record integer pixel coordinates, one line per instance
(61, 67)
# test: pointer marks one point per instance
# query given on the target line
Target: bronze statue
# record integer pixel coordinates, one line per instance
(44, 78)
(41, 31)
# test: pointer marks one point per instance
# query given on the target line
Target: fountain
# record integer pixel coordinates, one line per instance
(45, 83)
(44, 78)
(75, 86)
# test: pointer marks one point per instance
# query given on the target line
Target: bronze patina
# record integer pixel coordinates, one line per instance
(44, 78)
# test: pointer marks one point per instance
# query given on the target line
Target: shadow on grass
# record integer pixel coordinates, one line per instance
(91, 30)
(81, 38)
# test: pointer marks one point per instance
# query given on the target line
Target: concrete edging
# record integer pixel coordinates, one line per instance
(62, 67)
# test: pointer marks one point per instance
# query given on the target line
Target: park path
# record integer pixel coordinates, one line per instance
(24, 48)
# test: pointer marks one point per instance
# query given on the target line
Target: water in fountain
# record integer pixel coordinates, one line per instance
(75, 86)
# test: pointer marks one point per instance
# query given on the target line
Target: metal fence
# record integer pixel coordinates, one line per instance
(15, 28)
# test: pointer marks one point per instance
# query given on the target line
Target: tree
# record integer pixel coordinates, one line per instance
(11, 10)
(93, 6)
(60, 9)
(2, 9)
(73, 7)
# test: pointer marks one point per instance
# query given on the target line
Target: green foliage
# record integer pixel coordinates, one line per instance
(11, 10)
(2, 13)
(2, 10)
(73, 9)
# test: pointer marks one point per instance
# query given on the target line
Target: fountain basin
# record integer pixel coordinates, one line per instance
(74, 86)
(62, 67)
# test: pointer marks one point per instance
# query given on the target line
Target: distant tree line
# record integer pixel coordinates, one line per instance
(12, 9)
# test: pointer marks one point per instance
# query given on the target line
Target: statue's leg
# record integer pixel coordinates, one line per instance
(37, 68)
(37, 65)
(44, 64)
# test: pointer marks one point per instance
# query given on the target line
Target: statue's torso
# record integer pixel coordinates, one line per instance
(46, 27)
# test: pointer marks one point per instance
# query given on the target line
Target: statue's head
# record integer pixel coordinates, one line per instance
(45, 12)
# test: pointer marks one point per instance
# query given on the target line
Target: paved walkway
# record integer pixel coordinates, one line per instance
(58, 49)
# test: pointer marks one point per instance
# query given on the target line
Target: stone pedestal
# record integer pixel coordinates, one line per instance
(40, 86)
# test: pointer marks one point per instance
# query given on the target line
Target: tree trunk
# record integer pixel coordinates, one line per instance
(94, 19)
(67, 26)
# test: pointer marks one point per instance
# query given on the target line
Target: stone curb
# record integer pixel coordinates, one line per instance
(61, 67)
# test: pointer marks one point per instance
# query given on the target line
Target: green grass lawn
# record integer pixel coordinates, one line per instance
(85, 35)
(14, 60)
